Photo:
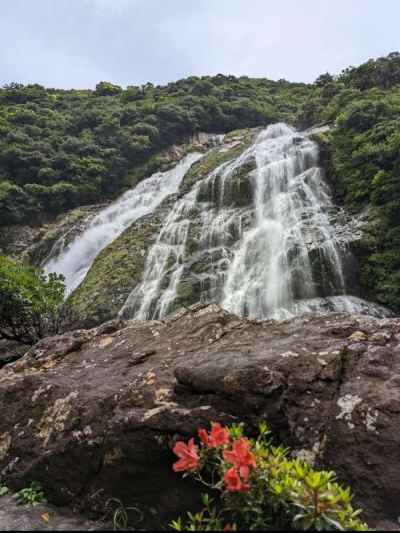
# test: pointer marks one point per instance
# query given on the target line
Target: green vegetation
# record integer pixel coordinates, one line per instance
(257, 486)
(4, 490)
(330, 96)
(60, 149)
(32, 495)
(367, 160)
(364, 162)
(30, 302)
(120, 514)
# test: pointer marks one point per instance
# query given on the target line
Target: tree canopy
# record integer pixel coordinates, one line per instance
(60, 149)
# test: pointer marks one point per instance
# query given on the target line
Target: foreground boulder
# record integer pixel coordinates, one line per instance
(93, 414)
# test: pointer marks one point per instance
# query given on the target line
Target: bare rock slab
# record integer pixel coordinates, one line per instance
(15, 517)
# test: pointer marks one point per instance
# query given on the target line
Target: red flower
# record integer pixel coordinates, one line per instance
(203, 435)
(218, 436)
(241, 457)
(234, 483)
(228, 527)
(188, 457)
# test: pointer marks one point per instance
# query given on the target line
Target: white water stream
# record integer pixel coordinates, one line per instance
(261, 260)
(271, 270)
(75, 259)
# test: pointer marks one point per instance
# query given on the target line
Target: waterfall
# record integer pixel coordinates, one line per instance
(168, 257)
(271, 271)
(254, 235)
(151, 299)
(75, 260)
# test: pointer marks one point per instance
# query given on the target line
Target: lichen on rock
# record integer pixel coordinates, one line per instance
(55, 418)
(5, 443)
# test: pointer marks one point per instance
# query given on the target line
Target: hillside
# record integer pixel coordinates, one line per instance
(60, 150)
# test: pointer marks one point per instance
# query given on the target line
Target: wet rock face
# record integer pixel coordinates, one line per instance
(33, 244)
(119, 266)
(15, 239)
(94, 414)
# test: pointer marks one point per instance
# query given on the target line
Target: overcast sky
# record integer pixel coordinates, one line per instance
(77, 43)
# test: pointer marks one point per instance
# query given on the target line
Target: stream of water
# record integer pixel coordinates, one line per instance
(75, 259)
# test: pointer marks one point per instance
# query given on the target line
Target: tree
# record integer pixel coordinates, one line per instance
(203, 87)
(132, 93)
(323, 79)
(13, 203)
(104, 88)
(30, 302)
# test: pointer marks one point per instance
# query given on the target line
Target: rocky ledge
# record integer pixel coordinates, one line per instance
(93, 414)
(43, 517)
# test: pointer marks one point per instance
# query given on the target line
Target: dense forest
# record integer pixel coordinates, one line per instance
(61, 149)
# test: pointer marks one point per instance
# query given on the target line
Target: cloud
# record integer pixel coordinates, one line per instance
(76, 43)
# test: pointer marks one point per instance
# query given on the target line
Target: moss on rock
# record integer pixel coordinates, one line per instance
(114, 273)
(234, 144)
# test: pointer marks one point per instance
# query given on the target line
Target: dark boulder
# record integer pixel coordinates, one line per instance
(11, 351)
(94, 414)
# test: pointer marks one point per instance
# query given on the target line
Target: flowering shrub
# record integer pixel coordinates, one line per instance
(259, 487)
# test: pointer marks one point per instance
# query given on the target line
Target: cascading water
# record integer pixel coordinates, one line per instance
(254, 235)
(75, 260)
(167, 260)
(271, 274)
(150, 298)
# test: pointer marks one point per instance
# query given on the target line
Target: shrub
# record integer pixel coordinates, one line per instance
(32, 495)
(4, 490)
(258, 487)
(30, 302)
